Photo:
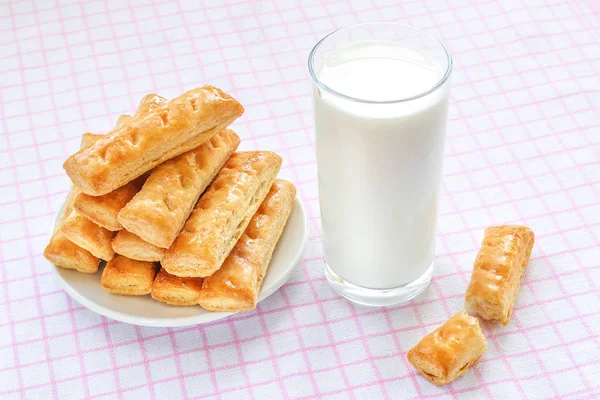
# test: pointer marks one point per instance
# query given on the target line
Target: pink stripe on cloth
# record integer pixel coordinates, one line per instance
(522, 147)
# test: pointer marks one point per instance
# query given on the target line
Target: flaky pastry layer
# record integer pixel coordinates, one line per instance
(222, 214)
(63, 253)
(449, 351)
(122, 275)
(235, 286)
(136, 248)
(175, 290)
(126, 153)
(84, 233)
(103, 210)
(159, 210)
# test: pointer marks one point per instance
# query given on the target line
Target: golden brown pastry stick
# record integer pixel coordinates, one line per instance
(86, 234)
(103, 210)
(122, 275)
(182, 124)
(134, 247)
(175, 290)
(222, 214)
(60, 251)
(158, 211)
(497, 272)
(235, 286)
(63, 253)
(447, 353)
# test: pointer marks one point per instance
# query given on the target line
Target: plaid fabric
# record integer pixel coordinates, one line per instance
(523, 147)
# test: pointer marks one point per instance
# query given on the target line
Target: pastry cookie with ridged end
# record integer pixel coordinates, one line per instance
(497, 272)
(159, 210)
(175, 290)
(222, 214)
(122, 275)
(182, 124)
(235, 286)
(449, 351)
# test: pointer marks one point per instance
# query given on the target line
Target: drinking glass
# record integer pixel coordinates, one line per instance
(380, 107)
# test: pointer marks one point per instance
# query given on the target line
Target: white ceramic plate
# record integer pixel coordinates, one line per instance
(143, 310)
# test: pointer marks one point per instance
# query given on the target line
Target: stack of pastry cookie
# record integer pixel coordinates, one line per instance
(167, 186)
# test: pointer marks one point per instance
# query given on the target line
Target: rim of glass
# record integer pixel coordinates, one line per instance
(321, 85)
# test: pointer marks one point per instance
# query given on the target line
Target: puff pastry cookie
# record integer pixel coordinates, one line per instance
(235, 286)
(222, 214)
(122, 275)
(447, 353)
(124, 154)
(497, 272)
(158, 212)
(86, 234)
(175, 290)
(63, 253)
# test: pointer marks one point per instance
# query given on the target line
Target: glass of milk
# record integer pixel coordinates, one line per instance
(381, 105)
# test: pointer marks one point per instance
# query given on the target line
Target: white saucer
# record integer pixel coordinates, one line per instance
(143, 310)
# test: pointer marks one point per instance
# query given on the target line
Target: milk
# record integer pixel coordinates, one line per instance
(380, 165)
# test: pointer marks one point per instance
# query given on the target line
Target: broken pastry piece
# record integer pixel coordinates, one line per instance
(159, 210)
(136, 248)
(175, 290)
(124, 154)
(122, 275)
(497, 272)
(447, 353)
(235, 286)
(103, 210)
(222, 214)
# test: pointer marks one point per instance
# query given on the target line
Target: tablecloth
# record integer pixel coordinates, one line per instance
(523, 146)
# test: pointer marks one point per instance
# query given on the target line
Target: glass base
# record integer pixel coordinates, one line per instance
(378, 297)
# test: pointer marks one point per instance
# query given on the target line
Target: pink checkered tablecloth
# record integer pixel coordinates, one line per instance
(523, 146)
